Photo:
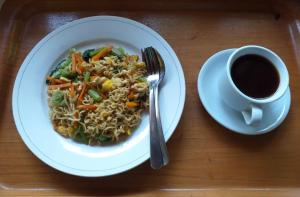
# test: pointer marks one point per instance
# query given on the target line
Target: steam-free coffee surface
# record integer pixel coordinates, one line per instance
(255, 76)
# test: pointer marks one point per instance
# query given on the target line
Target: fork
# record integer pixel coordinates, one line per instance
(156, 71)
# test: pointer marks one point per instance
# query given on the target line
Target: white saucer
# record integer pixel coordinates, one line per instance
(208, 80)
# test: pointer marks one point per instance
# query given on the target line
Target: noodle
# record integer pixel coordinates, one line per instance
(97, 96)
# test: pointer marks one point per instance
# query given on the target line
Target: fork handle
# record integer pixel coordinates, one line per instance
(158, 150)
(163, 145)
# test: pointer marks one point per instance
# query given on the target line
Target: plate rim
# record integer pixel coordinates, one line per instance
(95, 173)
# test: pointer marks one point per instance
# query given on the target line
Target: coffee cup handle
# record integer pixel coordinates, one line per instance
(253, 115)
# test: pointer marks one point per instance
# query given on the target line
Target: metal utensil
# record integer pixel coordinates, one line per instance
(156, 72)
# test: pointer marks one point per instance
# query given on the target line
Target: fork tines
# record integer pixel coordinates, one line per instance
(149, 56)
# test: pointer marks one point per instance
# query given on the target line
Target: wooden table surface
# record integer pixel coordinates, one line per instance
(206, 158)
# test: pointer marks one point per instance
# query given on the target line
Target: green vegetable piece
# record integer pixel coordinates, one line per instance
(75, 79)
(64, 63)
(103, 138)
(57, 99)
(60, 70)
(80, 136)
(94, 94)
(141, 79)
(94, 52)
(71, 51)
(120, 52)
(86, 54)
(55, 73)
(67, 73)
(86, 76)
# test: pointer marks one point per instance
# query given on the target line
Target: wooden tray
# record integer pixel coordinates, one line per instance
(206, 159)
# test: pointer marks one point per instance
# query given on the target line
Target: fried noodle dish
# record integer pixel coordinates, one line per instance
(97, 96)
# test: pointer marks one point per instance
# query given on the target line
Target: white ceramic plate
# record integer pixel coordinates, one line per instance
(30, 107)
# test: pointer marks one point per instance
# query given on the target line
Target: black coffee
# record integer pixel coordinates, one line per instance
(255, 76)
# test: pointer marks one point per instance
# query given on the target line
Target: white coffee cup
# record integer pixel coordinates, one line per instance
(252, 109)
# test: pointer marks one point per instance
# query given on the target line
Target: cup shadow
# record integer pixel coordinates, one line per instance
(235, 139)
(247, 142)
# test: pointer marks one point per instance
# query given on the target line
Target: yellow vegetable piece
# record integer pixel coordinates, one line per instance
(108, 60)
(132, 104)
(104, 114)
(140, 65)
(71, 131)
(65, 131)
(128, 131)
(107, 85)
(134, 58)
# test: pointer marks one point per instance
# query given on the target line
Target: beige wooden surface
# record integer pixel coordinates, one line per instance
(206, 159)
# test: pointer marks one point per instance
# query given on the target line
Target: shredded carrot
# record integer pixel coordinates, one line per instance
(54, 81)
(80, 69)
(131, 95)
(132, 104)
(87, 107)
(101, 53)
(72, 90)
(58, 81)
(73, 63)
(78, 58)
(80, 98)
(75, 123)
(65, 79)
(50, 78)
(64, 85)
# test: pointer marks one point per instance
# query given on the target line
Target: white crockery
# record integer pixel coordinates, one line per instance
(30, 107)
(208, 88)
(252, 109)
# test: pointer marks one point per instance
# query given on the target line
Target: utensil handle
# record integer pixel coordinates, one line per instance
(158, 150)
(162, 141)
(253, 115)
